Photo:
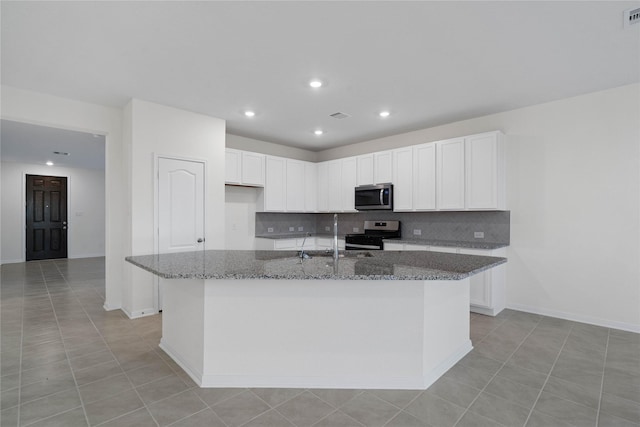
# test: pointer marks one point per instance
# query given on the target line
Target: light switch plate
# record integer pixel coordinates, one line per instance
(417, 232)
(327, 228)
(478, 234)
(292, 228)
(270, 230)
(356, 230)
(300, 228)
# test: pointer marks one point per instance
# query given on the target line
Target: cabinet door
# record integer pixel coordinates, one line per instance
(310, 184)
(389, 246)
(348, 184)
(295, 186)
(447, 249)
(252, 168)
(335, 185)
(322, 187)
(450, 172)
(412, 247)
(424, 175)
(274, 185)
(481, 282)
(483, 171)
(403, 179)
(383, 167)
(365, 169)
(232, 162)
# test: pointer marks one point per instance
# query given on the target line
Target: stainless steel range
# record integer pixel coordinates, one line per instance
(375, 232)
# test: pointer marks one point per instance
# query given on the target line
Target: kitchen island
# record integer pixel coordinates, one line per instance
(380, 319)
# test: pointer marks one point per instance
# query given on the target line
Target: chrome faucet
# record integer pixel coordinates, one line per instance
(303, 255)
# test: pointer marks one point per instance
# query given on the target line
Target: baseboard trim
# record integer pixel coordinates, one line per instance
(79, 256)
(11, 261)
(342, 382)
(195, 374)
(446, 364)
(139, 313)
(630, 327)
(109, 307)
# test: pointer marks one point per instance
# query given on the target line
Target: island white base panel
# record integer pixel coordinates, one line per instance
(369, 334)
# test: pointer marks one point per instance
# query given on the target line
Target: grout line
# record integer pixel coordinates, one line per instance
(66, 352)
(498, 371)
(564, 343)
(604, 366)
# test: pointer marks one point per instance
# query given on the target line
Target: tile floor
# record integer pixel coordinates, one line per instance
(67, 362)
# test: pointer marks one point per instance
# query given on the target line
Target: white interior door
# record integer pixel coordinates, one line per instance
(180, 207)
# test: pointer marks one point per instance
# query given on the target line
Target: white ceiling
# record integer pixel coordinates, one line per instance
(427, 62)
(27, 143)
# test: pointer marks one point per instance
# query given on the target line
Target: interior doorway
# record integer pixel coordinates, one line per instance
(46, 217)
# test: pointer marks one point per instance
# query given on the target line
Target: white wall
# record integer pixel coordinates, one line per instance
(85, 209)
(47, 110)
(240, 213)
(574, 195)
(264, 147)
(152, 129)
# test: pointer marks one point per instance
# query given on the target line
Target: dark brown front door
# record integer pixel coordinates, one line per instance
(46, 217)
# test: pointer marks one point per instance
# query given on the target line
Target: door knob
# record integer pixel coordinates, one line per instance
(64, 222)
(200, 240)
(64, 228)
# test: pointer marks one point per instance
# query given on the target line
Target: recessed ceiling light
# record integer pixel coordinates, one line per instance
(49, 163)
(318, 132)
(384, 114)
(249, 113)
(315, 84)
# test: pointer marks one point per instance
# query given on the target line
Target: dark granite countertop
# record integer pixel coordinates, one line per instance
(352, 265)
(296, 235)
(425, 242)
(450, 243)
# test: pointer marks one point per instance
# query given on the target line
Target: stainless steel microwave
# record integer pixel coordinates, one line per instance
(374, 197)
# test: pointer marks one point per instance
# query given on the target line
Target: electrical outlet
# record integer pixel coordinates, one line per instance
(270, 230)
(417, 232)
(327, 228)
(300, 228)
(478, 234)
(292, 229)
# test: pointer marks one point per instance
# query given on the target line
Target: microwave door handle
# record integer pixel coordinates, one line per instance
(382, 197)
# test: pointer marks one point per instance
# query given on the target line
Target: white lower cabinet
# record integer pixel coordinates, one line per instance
(488, 288)
(295, 244)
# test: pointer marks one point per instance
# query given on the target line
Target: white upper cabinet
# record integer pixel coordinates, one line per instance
(275, 184)
(310, 185)
(450, 174)
(485, 169)
(322, 187)
(232, 161)
(348, 184)
(334, 183)
(365, 169)
(244, 168)
(383, 167)
(295, 186)
(424, 177)
(466, 173)
(403, 179)
(252, 169)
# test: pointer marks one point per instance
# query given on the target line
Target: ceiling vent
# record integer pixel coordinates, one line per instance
(631, 17)
(338, 115)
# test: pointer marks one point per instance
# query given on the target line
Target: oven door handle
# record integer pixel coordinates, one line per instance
(355, 245)
(382, 197)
